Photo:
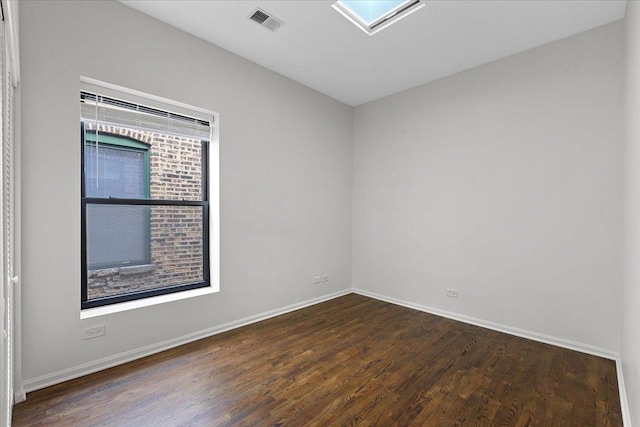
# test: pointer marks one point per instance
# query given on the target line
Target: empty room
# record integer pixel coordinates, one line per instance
(323, 213)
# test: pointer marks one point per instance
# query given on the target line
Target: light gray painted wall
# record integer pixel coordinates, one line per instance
(630, 326)
(503, 182)
(285, 178)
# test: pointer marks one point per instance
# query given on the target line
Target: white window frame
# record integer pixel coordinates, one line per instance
(396, 14)
(132, 95)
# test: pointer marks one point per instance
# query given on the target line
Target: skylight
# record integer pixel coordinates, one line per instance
(373, 15)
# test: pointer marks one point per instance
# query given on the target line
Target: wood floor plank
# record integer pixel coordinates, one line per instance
(349, 361)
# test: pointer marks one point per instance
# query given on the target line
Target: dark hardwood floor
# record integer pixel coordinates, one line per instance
(349, 361)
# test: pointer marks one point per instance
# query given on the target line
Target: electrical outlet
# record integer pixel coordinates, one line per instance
(317, 280)
(325, 277)
(452, 293)
(96, 331)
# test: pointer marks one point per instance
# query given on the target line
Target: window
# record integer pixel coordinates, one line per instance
(372, 16)
(145, 197)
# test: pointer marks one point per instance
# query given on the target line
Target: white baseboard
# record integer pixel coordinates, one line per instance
(534, 336)
(118, 359)
(624, 403)
(19, 396)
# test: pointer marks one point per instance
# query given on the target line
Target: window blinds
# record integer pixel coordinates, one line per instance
(7, 235)
(8, 219)
(107, 110)
(5, 329)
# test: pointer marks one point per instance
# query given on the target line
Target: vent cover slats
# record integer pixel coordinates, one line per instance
(266, 19)
(259, 16)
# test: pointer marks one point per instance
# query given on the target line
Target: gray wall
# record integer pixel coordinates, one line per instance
(285, 178)
(630, 326)
(503, 182)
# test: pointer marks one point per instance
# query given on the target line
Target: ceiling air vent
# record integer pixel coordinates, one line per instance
(266, 19)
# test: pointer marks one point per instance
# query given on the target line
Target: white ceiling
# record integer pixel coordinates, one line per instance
(321, 49)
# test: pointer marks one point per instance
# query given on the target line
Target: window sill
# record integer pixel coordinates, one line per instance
(147, 302)
(137, 269)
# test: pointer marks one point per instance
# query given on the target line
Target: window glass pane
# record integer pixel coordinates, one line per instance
(117, 236)
(371, 10)
(115, 172)
(175, 250)
(169, 167)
